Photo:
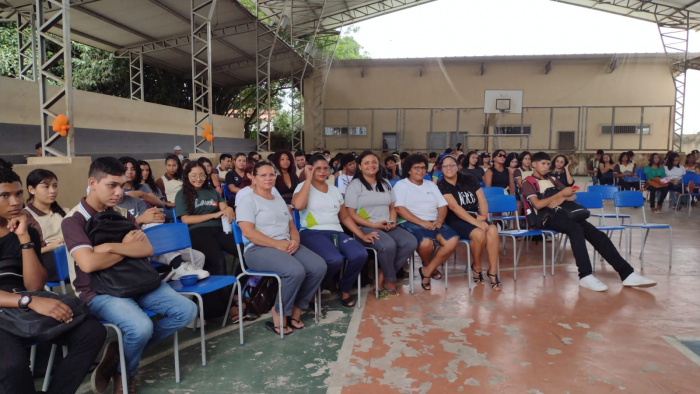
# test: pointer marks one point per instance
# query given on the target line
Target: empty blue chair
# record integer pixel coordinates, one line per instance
(608, 193)
(172, 237)
(688, 192)
(631, 199)
(59, 254)
(591, 201)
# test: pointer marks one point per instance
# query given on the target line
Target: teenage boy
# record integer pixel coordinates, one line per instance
(592, 168)
(224, 166)
(254, 156)
(300, 159)
(578, 233)
(347, 165)
(20, 252)
(432, 158)
(106, 182)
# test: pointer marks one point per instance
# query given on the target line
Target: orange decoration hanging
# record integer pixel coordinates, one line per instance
(60, 125)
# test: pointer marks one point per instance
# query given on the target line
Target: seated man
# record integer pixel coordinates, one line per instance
(578, 233)
(21, 270)
(106, 181)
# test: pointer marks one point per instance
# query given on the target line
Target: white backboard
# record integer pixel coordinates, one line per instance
(499, 101)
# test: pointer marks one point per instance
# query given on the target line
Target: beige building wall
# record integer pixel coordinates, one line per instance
(402, 93)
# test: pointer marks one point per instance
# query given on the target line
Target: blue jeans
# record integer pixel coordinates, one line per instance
(320, 242)
(138, 329)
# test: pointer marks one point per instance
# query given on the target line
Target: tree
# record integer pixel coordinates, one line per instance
(348, 47)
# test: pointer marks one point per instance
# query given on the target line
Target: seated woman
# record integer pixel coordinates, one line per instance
(321, 210)
(147, 179)
(625, 172)
(370, 203)
(423, 209)
(391, 168)
(287, 180)
(560, 171)
(484, 161)
(654, 172)
(466, 201)
(171, 182)
(212, 179)
(247, 184)
(133, 186)
(674, 174)
(523, 171)
(606, 170)
(45, 216)
(470, 166)
(498, 175)
(236, 176)
(274, 246)
(201, 208)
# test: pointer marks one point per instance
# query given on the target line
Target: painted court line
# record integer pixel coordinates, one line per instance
(676, 343)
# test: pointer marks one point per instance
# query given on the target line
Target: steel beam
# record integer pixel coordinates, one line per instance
(26, 43)
(136, 76)
(49, 104)
(646, 10)
(201, 14)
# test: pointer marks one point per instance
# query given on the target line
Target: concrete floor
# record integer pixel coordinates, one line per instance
(539, 335)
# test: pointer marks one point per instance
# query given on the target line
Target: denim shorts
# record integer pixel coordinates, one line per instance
(464, 228)
(421, 232)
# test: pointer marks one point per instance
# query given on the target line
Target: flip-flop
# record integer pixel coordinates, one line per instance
(435, 275)
(271, 326)
(292, 325)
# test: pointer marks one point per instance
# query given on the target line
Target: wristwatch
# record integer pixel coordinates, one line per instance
(28, 245)
(24, 301)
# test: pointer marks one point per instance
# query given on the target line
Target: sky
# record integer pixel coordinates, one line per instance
(446, 28)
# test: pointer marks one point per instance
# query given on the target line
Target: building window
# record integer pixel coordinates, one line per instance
(509, 130)
(343, 130)
(625, 129)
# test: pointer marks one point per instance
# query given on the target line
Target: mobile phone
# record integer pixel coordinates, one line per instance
(390, 221)
(575, 187)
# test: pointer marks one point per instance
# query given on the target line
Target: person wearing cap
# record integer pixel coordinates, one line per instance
(177, 150)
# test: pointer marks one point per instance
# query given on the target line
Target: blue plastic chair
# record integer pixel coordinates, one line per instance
(608, 193)
(61, 270)
(483, 184)
(393, 182)
(642, 176)
(631, 199)
(172, 237)
(227, 193)
(170, 214)
(241, 242)
(493, 191)
(506, 204)
(590, 201)
(428, 178)
(685, 191)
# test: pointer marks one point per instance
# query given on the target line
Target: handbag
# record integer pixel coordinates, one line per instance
(656, 183)
(131, 276)
(40, 328)
(262, 296)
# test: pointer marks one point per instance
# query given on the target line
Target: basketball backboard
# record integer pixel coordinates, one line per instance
(503, 101)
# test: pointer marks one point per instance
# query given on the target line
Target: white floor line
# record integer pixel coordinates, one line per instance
(676, 343)
(336, 384)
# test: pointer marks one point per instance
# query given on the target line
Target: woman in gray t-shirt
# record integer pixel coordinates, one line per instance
(274, 246)
(370, 203)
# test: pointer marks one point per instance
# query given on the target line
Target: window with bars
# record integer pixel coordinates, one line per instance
(343, 130)
(567, 140)
(510, 130)
(625, 129)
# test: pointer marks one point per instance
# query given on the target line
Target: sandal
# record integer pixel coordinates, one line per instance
(383, 293)
(437, 275)
(289, 323)
(271, 326)
(391, 293)
(425, 286)
(480, 276)
(494, 285)
(346, 302)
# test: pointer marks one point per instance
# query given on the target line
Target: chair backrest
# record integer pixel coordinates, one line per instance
(690, 176)
(297, 219)
(238, 235)
(59, 255)
(227, 192)
(393, 182)
(483, 184)
(628, 199)
(493, 191)
(606, 191)
(590, 200)
(428, 178)
(640, 174)
(168, 237)
(502, 203)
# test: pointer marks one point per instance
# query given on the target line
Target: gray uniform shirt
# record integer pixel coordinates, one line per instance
(270, 217)
(370, 205)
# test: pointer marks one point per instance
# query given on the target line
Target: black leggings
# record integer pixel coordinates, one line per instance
(627, 185)
(211, 241)
(84, 343)
(663, 191)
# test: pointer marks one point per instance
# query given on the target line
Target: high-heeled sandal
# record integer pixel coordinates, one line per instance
(497, 282)
(425, 286)
(479, 278)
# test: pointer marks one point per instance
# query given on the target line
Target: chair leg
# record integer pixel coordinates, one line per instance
(553, 239)
(445, 267)
(177, 355)
(359, 292)
(670, 247)
(515, 261)
(279, 294)
(644, 242)
(122, 360)
(240, 310)
(376, 276)
(200, 302)
(49, 367)
(317, 306)
(32, 358)
(411, 262)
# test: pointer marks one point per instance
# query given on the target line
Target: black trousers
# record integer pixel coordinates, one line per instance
(627, 185)
(578, 234)
(663, 191)
(84, 343)
(211, 241)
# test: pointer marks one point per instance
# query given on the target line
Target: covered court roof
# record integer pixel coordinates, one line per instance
(668, 11)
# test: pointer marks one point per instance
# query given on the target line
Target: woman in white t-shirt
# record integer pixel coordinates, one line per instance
(321, 210)
(274, 246)
(348, 166)
(423, 209)
(674, 173)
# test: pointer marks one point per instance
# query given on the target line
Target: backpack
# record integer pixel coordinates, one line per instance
(537, 219)
(261, 293)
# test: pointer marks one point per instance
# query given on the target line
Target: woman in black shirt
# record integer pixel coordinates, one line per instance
(467, 213)
(470, 166)
(287, 180)
(498, 175)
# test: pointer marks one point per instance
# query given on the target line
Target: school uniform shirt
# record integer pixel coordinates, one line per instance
(371, 205)
(142, 187)
(47, 225)
(134, 205)
(10, 249)
(207, 202)
(270, 217)
(171, 187)
(321, 212)
(520, 173)
(233, 178)
(422, 200)
(465, 197)
(73, 227)
(528, 190)
(220, 172)
(561, 177)
(343, 182)
(621, 168)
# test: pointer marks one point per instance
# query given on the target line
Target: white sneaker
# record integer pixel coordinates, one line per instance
(592, 283)
(636, 280)
(188, 269)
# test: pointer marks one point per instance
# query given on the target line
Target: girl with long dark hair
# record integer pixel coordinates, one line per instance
(524, 169)
(624, 171)
(605, 170)
(498, 175)
(655, 172)
(560, 171)
(171, 182)
(674, 174)
(287, 181)
(201, 208)
(45, 215)
(369, 201)
(235, 177)
(133, 186)
(147, 179)
(212, 179)
(467, 215)
(470, 166)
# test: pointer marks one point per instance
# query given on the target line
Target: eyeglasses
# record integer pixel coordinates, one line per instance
(200, 177)
(323, 169)
(418, 168)
(500, 155)
(449, 165)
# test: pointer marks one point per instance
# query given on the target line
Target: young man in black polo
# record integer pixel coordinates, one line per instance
(578, 233)
(21, 270)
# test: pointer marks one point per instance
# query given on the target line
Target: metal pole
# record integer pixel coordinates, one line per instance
(403, 127)
(430, 133)
(671, 127)
(522, 128)
(347, 136)
(371, 137)
(68, 78)
(641, 129)
(398, 133)
(585, 130)
(141, 79)
(578, 131)
(612, 129)
(551, 125)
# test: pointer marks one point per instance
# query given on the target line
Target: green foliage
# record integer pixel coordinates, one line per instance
(348, 47)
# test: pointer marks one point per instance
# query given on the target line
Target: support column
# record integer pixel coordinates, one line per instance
(136, 76)
(58, 13)
(26, 43)
(201, 14)
(674, 36)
